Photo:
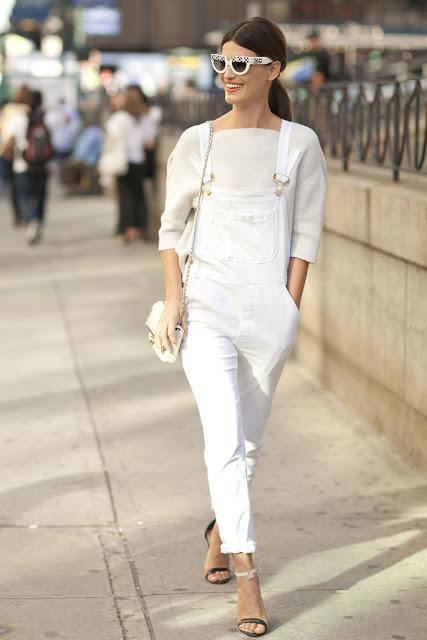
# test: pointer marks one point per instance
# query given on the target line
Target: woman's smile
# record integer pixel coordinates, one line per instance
(232, 86)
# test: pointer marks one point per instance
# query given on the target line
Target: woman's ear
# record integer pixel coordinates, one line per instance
(274, 70)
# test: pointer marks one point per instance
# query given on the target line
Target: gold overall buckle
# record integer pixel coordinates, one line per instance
(280, 182)
(207, 184)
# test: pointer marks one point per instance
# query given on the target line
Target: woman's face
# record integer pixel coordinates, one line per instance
(253, 85)
(117, 102)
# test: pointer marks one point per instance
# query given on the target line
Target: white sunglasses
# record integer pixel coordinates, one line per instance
(238, 64)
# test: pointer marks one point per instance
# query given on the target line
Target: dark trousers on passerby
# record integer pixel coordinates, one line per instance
(11, 179)
(132, 204)
(32, 187)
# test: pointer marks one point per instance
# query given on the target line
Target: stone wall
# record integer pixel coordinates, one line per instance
(363, 325)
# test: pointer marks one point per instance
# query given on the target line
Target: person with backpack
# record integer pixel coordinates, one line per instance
(19, 104)
(32, 151)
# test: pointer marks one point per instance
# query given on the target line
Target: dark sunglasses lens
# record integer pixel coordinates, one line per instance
(219, 65)
(239, 66)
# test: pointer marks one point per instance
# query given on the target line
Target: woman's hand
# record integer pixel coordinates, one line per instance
(297, 274)
(173, 294)
(165, 338)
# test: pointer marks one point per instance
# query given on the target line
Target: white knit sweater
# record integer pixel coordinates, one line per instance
(245, 159)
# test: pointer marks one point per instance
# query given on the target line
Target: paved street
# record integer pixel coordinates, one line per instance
(104, 497)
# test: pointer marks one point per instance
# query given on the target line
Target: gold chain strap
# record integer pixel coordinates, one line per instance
(196, 215)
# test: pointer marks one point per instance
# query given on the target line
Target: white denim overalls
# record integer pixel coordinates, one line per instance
(242, 324)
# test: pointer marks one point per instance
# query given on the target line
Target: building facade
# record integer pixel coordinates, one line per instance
(156, 25)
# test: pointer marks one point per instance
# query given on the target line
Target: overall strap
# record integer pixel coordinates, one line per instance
(204, 134)
(281, 177)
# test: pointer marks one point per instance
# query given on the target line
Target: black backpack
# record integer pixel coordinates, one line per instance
(39, 145)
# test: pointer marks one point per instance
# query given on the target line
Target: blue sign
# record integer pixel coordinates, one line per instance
(90, 4)
(101, 21)
(32, 9)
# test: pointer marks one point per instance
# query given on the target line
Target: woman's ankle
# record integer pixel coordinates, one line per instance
(243, 561)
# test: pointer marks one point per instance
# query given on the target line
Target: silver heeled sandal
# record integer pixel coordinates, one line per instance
(251, 573)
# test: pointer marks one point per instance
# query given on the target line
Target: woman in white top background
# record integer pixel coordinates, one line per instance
(259, 227)
(135, 127)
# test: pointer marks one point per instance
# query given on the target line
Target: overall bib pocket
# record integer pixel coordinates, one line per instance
(243, 229)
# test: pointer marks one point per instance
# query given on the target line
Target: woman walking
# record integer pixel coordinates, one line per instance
(259, 227)
(20, 105)
(33, 150)
(133, 127)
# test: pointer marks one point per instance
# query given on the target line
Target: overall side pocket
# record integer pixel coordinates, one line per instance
(291, 300)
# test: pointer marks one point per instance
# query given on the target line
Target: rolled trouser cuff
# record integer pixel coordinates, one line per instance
(238, 547)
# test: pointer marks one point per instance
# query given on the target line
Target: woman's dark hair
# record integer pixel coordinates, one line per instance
(23, 95)
(265, 38)
(136, 101)
(36, 101)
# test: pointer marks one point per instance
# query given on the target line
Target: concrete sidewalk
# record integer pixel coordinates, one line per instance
(104, 497)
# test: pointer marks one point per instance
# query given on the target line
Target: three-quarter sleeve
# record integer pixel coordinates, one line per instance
(309, 202)
(182, 182)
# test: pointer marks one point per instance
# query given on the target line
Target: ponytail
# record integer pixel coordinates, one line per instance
(279, 101)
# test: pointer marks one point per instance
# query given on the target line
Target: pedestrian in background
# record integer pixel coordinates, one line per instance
(152, 118)
(154, 114)
(258, 228)
(65, 123)
(133, 127)
(322, 68)
(21, 104)
(80, 170)
(32, 150)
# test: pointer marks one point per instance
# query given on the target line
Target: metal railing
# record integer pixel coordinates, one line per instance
(183, 111)
(382, 123)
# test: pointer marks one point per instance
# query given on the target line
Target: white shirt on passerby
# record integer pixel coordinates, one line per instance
(134, 131)
(18, 129)
(7, 116)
